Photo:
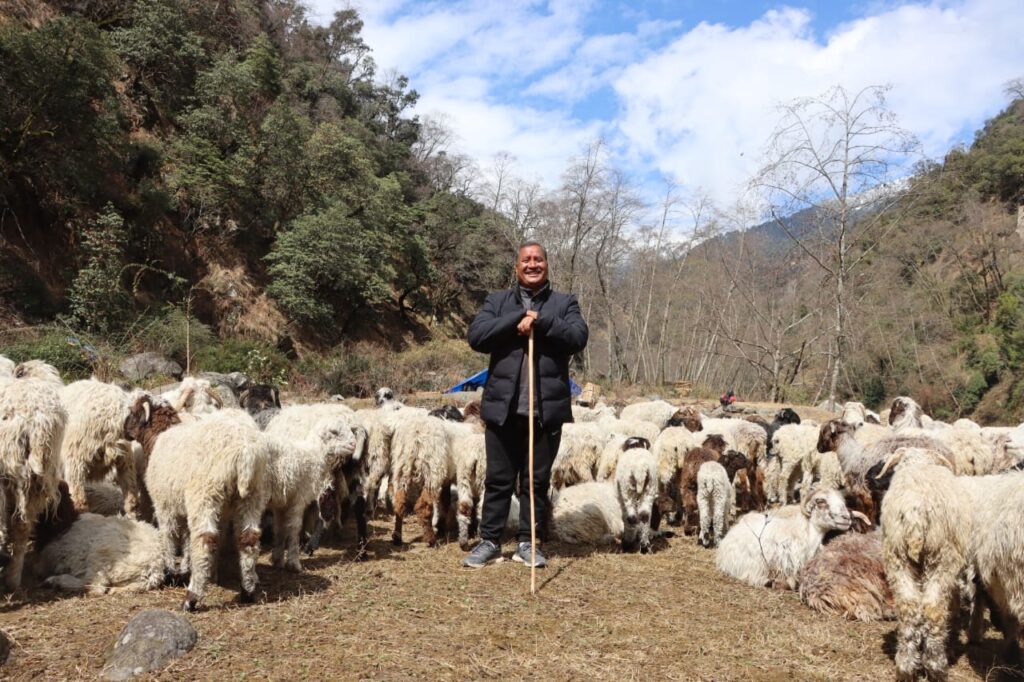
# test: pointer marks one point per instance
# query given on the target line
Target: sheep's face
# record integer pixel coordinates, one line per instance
(688, 417)
(905, 412)
(448, 413)
(733, 461)
(636, 442)
(383, 395)
(787, 416)
(830, 434)
(338, 440)
(259, 397)
(714, 442)
(827, 510)
(145, 411)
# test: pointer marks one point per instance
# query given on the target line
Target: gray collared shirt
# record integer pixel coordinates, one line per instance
(528, 298)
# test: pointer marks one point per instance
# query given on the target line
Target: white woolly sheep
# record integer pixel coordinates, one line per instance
(578, 454)
(769, 549)
(905, 413)
(420, 469)
(714, 502)
(32, 425)
(854, 414)
(6, 367)
(610, 453)
(588, 514)
(39, 370)
(629, 427)
(926, 536)
(95, 442)
(790, 446)
(470, 456)
(194, 396)
(301, 468)
(98, 554)
(657, 412)
(582, 414)
(197, 473)
(636, 483)
(847, 578)
(342, 487)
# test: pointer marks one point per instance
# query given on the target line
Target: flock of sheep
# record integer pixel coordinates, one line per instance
(868, 516)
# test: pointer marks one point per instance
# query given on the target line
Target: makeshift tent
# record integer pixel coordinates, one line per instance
(480, 378)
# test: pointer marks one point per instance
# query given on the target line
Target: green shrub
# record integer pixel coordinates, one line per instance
(55, 347)
(166, 334)
(241, 355)
(874, 392)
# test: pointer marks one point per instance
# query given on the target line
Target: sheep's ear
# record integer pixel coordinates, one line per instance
(277, 396)
(147, 411)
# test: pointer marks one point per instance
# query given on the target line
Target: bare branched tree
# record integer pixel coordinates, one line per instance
(828, 181)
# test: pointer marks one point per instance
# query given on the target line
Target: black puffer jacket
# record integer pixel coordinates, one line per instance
(559, 332)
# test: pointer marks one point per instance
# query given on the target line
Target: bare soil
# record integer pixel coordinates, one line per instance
(411, 612)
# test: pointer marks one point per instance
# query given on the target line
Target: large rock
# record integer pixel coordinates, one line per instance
(143, 365)
(148, 642)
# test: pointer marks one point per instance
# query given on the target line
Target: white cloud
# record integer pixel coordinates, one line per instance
(696, 105)
(701, 109)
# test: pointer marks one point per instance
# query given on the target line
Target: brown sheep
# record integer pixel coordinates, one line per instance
(847, 578)
(146, 420)
(710, 451)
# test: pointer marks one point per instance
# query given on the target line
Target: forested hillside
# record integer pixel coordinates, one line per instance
(231, 158)
(238, 188)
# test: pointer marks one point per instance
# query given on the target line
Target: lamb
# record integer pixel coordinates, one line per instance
(657, 412)
(98, 554)
(95, 441)
(199, 472)
(32, 426)
(847, 578)
(470, 457)
(636, 482)
(739, 434)
(769, 549)
(714, 502)
(926, 537)
(712, 448)
(300, 470)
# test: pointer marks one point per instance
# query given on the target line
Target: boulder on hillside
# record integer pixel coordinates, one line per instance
(144, 365)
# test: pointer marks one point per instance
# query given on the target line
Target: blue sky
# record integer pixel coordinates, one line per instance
(685, 90)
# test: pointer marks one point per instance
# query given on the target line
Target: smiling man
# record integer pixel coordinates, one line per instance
(502, 328)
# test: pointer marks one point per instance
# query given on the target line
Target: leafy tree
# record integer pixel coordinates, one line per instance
(97, 300)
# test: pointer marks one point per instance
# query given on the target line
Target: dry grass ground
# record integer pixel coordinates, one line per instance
(413, 613)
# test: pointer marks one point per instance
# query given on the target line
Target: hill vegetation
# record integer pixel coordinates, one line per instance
(239, 188)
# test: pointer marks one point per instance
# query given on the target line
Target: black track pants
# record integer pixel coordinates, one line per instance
(507, 461)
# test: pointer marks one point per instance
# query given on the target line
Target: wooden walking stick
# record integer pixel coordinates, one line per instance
(533, 510)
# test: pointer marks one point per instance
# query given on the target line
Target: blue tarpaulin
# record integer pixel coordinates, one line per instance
(480, 378)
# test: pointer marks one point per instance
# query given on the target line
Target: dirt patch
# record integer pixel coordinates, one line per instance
(413, 613)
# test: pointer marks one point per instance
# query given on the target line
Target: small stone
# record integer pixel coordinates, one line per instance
(148, 642)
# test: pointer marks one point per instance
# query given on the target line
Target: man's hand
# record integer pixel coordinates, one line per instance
(526, 324)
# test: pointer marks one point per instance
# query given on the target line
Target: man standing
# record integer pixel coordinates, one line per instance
(502, 328)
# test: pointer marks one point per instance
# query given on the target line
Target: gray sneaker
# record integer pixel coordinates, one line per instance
(522, 555)
(483, 554)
